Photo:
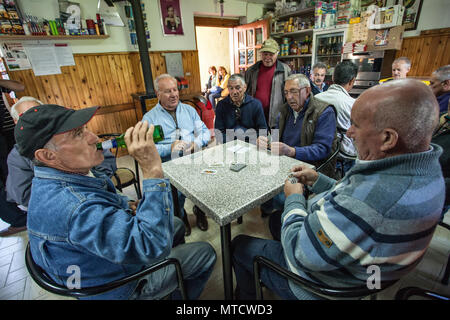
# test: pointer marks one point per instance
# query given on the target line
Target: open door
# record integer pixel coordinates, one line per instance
(248, 39)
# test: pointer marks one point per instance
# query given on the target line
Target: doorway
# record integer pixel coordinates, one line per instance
(214, 45)
(214, 38)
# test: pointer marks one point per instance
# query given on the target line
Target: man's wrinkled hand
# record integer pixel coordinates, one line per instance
(141, 147)
(305, 175)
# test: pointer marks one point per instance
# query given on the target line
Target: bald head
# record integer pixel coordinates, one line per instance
(407, 106)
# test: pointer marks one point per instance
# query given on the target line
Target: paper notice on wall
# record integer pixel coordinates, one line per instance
(64, 54)
(15, 56)
(42, 55)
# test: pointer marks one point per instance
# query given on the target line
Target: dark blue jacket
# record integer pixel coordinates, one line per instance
(315, 90)
(252, 116)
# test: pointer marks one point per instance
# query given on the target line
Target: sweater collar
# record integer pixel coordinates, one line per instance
(417, 164)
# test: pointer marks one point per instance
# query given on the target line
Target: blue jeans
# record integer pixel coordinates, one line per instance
(213, 95)
(197, 261)
(9, 212)
(244, 249)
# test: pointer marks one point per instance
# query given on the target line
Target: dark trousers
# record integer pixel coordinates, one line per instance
(9, 211)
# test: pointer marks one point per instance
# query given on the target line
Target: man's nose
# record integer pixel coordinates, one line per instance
(92, 137)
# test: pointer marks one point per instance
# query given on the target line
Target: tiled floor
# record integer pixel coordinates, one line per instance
(16, 284)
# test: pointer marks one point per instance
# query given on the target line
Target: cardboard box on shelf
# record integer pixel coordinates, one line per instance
(385, 39)
(387, 17)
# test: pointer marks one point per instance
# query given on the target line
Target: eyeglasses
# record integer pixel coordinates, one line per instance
(237, 114)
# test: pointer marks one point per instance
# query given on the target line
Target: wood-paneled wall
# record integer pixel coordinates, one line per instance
(427, 52)
(106, 80)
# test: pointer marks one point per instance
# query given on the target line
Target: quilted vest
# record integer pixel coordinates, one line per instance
(312, 114)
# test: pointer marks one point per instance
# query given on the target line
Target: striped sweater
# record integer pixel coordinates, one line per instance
(382, 212)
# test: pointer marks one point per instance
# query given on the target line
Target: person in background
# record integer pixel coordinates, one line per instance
(317, 78)
(184, 132)
(400, 68)
(344, 77)
(212, 81)
(220, 90)
(440, 84)
(441, 137)
(265, 81)
(9, 211)
(239, 110)
(77, 217)
(383, 212)
(6, 124)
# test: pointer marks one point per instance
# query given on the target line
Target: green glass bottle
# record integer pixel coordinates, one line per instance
(119, 142)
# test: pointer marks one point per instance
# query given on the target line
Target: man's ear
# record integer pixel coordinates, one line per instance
(390, 139)
(446, 85)
(308, 90)
(46, 156)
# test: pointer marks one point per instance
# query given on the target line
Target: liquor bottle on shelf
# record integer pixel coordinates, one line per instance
(119, 142)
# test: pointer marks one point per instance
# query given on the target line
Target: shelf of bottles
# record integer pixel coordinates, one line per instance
(328, 50)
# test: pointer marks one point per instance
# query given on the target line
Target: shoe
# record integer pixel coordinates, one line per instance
(11, 231)
(202, 221)
(265, 213)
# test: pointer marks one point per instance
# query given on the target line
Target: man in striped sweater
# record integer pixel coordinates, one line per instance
(383, 212)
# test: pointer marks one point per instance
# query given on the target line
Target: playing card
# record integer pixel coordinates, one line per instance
(217, 165)
(208, 171)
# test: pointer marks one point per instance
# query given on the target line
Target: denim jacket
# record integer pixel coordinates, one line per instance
(80, 223)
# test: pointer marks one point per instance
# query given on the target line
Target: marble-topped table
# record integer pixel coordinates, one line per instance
(227, 195)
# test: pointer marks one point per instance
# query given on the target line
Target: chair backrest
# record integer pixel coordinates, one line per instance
(46, 282)
(323, 291)
(332, 156)
(407, 292)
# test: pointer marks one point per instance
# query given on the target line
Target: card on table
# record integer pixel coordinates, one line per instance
(208, 171)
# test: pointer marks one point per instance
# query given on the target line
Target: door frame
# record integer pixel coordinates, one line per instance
(265, 25)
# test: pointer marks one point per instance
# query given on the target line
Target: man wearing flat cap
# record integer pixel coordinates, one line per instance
(75, 216)
(265, 81)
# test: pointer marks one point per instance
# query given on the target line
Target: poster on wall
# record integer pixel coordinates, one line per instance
(412, 14)
(15, 56)
(43, 57)
(171, 17)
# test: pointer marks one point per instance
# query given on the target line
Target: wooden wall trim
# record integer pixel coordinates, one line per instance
(114, 108)
(215, 22)
(107, 80)
(427, 52)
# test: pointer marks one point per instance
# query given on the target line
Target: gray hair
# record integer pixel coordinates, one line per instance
(49, 145)
(405, 60)
(345, 72)
(14, 114)
(161, 77)
(236, 77)
(443, 73)
(410, 108)
(319, 65)
(302, 80)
